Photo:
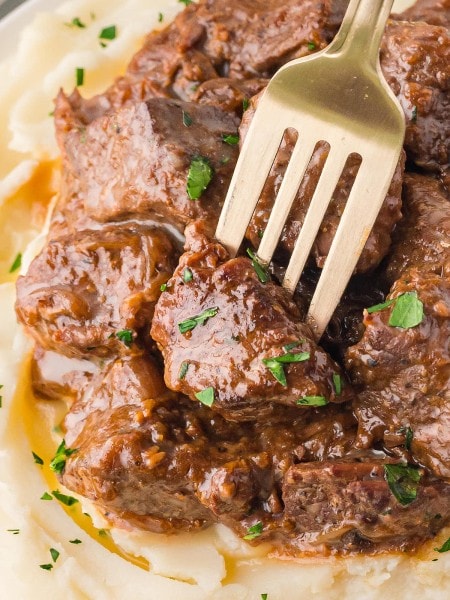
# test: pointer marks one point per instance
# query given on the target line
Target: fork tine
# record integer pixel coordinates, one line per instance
(295, 171)
(366, 197)
(248, 180)
(326, 185)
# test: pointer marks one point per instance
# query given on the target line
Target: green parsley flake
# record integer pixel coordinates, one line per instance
(245, 104)
(163, 287)
(260, 270)
(199, 176)
(37, 459)
(59, 461)
(102, 532)
(46, 496)
(254, 531)
(407, 312)
(17, 263)
(54, 554)
(263, 596)
(75, 541)
(187, 119)
(230, 139)
(47, 567)
(108, 33)
(187, 275)
(414, 114)
(378, 307)
(160, 17)
(311, 46)
(79, 76)
(14, 531)
(403, 481)
(206, 396)
(312, 401)
(192, 322)
(1, 397)
(409, 434)
(183, 370)
(275, 364)
(337, 382)
(185, 2)
(76, 22)
(67, 500)
(125, 336)
(444, 548)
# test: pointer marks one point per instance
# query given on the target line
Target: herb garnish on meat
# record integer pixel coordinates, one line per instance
(206, 396)
(312, 401)
(192, 322)
(59, 461)
(403, 482)
(199, 176)
(275, 364)
(254, 531)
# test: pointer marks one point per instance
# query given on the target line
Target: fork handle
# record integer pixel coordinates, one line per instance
(361, 30)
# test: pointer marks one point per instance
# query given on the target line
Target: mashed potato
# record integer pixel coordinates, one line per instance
(94, 563)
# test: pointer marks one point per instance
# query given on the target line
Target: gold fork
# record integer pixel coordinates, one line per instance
(338, 96)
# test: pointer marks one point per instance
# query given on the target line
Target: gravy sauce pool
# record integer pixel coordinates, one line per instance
(211, 565)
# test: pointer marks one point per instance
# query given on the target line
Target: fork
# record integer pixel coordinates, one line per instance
(337, 96)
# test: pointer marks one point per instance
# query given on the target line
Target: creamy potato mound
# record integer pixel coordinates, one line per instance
(94, 563)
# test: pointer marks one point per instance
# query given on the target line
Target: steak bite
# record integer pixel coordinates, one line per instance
(224, 333)
(415, 60)
(404, 371)
(379, 240)
(137, 161)
(434, 12)
(348, 507)
(90, 294)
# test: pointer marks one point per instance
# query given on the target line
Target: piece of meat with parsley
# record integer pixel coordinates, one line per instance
(238, 343)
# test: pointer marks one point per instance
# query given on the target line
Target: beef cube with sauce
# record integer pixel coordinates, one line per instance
(434, 12)
(89, 295)
(138, 160)
(236, 343)
(349, 506)
(402, 364)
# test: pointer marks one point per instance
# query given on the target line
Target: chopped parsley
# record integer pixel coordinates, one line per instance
(54, 554)
(125, 336)
(206, 396)
(185, 2)
(230, 139)
(260, 270)
(403, 481)
(312, 401)
(75, 541)
(163, 287)
(263, 596)
(275, 364)
(108, 33)
(14, 531)
(445, 547)
(409, 434)
(37, 459)
(46, 496)
(47, 567)
(183, 370)
(102, 532)
(245, 104)
(192, 322)
(79, 76)
(17, 263)
(59, 460)
(187, 275)
(187, 119)
(64, 499)
(407, 312)
(160, 17)
(337, 382)
(199, 176)
(254, 531)
(76, 22)
(1, 397)
(414, 114)
(311, 46)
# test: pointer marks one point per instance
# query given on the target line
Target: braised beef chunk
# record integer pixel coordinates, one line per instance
(415, 60)
(88, 295)
(379, 239)
(230, 94)
(348, 506)
(404, 372)
(434, 12)
(422, 237)
(137, 161)
(221, 329)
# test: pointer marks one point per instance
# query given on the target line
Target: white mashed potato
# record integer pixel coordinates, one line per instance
(213, 564)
